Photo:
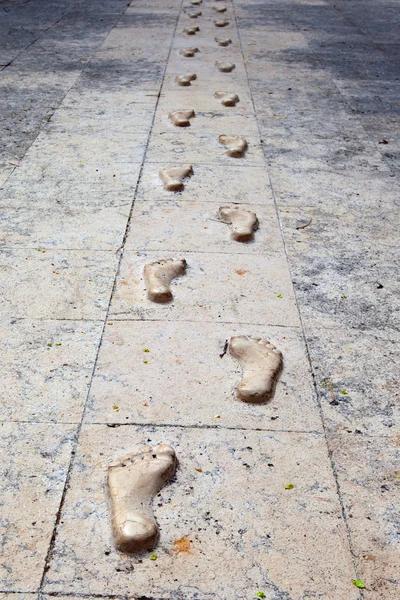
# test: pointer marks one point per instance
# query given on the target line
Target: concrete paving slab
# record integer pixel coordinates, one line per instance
(361, 365)
(204, 101)
(150, 218)
(46, 368)
(65, 227)
(368, 474)
(255, 526)
(34, 472)
(201, 149)
(235, 288)
(149, 392)
(210, 183)
(54, 284)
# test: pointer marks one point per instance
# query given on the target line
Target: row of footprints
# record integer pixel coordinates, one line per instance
(134, 480)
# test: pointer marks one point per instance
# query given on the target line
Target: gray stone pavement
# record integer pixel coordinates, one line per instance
(86, 88)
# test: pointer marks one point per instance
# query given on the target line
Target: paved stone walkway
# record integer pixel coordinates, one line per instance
(87, 87)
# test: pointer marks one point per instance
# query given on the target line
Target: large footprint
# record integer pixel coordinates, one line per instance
(133, 481)
(261, 363)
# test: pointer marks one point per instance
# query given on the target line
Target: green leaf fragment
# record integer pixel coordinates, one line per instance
(58, 343)
(358, 583)
(145, 362)
(344, 392)
(146, 350)
(260, 595)
(279, 296)
(153, 557)
(115, 407)
(324, 384)
(289, 486)
(49, 344)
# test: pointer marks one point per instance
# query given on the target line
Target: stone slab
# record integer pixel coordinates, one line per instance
(54, 284)
(209, 183)
(179, 226)
(152, 391)
(368, 475)
(240, 288)
(201, 149)
(34, 467)
(236, 512)
(47, 367)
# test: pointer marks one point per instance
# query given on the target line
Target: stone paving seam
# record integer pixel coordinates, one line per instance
(332, 465)
(77, 435)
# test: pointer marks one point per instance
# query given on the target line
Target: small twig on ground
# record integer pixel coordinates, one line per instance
(224, 350)
(334, 401)
(305, 224)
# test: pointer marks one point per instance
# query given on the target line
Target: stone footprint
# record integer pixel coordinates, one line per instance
(185, 79)
(224, 66)
(191, 30)
(181, 118)
(235, 145)
(261, 363)
(132, 483)
(242, 220)
(224, 41)
(158, 276)
(188, 52)
(173, 177)
(226, 98)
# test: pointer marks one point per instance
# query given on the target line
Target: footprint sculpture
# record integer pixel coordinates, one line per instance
(132, 482)
(224, 41)
(261, 363)
(243, 221)
(173, 178)
(235, 145)
(188, 52)
(158, 276)
(196, 2)
(191, 30)
(194, 15)
(185, 79)
(226, 98)
(219, 9)
(221, 23)
(224, 66)
(181, 118)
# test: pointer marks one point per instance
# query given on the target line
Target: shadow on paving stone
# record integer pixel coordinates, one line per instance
(109, 73)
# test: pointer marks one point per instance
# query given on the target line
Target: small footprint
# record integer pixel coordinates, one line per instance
(244, 221)
(261, 363)
(235, 145)
(224, 66)
(188, 51)
(227, 99)
(223, 23)
(196, 2)
(191, 30)
(173, 178)
(158, 276)
(219, 9)
(180, 118)
(194, 15)
(185, 79)
(225, 41)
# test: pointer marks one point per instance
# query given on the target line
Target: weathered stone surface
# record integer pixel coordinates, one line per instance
(229, 499)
